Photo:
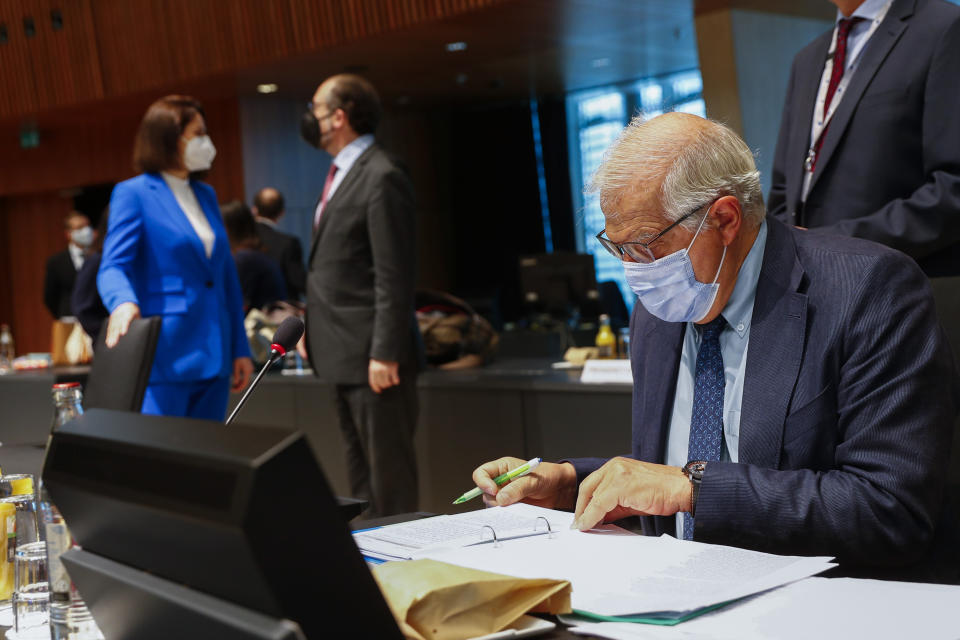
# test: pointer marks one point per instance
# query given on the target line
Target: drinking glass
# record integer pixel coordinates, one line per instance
(31, 593)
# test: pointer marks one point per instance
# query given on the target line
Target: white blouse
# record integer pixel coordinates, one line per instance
(187, 200)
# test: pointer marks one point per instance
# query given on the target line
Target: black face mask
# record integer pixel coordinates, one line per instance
(310, 129)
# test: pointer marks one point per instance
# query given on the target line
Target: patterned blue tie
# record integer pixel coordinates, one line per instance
(706, 422)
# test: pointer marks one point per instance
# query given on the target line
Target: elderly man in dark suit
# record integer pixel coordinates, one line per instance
(268, 208)
(869, 142)
(362, 333)
(793, 392)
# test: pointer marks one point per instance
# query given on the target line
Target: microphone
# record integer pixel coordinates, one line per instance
(284, 339)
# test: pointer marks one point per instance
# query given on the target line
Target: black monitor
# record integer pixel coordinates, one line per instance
(559, 284)
(242, 514)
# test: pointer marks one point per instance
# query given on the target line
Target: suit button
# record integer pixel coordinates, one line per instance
(209, 284)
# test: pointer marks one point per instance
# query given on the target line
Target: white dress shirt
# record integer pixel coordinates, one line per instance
(344, 161)
(734, 340)
(872, 13)
(187, 199)
(77, 255)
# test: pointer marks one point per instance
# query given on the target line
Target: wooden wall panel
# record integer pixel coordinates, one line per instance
(18, 93)
(32, 228)
(65, 62)
(96, 146)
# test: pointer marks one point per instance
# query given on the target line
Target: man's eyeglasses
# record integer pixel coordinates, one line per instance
(639, 251)
(311, 109)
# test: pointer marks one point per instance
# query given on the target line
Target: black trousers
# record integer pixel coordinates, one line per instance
(378, 430)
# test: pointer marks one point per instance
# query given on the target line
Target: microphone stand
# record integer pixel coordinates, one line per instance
(276, 352)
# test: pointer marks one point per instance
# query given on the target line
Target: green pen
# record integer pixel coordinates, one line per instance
(503, 478)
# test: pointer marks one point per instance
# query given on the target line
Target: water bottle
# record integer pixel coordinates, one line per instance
(7, 353)
(69, 617)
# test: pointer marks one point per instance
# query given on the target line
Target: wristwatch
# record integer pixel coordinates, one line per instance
(694, 470)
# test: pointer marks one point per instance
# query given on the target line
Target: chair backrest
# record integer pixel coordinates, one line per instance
(119, 375)
(946, 293)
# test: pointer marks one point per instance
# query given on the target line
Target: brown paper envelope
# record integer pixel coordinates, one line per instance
(434, 600)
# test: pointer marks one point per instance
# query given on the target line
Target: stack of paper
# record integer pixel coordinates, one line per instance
(410, 540)
(620, 576)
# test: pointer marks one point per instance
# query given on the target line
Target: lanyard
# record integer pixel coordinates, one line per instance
(820, 123)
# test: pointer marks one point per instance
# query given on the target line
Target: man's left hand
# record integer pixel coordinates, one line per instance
(242, 370)
(383, 374)
(624, 487)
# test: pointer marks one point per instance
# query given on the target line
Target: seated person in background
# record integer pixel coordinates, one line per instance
(260, 279)
(268, 208)
(793, 391)
(87, 304)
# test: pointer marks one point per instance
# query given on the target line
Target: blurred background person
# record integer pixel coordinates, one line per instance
(361, 328)
(86, 302)
(285, 249)
(260, 279)
(167, 254)
(62, 267)
(869, 140)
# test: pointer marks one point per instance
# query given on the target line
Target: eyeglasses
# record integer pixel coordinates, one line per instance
(639, 251)
(311, 107)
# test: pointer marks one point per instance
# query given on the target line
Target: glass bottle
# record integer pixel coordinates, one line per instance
(69, 617)
(606, 341)
(7, 353)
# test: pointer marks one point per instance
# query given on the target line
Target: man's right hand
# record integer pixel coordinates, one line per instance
(550, 485)
(120, 321)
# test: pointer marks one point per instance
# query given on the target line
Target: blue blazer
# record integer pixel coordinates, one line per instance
(849, 398)
(154, 258)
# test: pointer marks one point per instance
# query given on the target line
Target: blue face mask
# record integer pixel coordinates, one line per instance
(668, 287)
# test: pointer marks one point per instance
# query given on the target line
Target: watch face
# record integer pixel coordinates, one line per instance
(695, 468)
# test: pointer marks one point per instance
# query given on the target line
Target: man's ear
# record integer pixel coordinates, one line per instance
(727, 217)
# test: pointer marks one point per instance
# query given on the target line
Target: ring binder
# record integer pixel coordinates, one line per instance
(496, 540)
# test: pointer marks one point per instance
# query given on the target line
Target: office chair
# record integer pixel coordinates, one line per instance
(118, 377)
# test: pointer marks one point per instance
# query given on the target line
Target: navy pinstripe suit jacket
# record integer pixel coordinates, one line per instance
(848, 405)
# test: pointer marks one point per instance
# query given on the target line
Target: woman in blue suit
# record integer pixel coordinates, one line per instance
(167, 254)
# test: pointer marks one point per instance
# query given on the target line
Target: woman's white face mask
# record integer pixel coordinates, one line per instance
(668, 288)
(199, 153)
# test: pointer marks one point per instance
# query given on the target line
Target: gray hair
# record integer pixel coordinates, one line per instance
(696, 166)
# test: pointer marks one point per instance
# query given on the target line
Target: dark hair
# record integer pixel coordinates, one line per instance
(269, 203)
(241, 227)
(358, 99)
(73, 214)
(156, 147)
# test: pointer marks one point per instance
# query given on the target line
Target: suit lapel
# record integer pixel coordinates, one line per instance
(167, 200)
(662, 343)
(353, 175)
(777, 338)
(806, 101)
(874, 53)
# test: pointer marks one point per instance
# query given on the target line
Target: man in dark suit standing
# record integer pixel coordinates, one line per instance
(62, 267)
(361, 329)
(268, 208)
(793, 392)
(869, 142)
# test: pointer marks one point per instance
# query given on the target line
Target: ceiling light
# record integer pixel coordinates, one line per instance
(267, 88)
(456, 46)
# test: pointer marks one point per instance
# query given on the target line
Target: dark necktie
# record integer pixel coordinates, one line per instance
(325, 195)
(706, 421)
(836, 74)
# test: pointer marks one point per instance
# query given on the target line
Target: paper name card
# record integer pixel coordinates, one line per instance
(607, 372)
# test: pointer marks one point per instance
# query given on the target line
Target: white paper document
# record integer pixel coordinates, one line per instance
(414, 539)
(616, 573)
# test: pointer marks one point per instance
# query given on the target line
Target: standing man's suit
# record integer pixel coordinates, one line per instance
(58, 283)
(889, 166)
(849, 398)
(360, 291)
(285, 250)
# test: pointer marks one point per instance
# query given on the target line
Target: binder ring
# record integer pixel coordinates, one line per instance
(536, 524)
(496, 542)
